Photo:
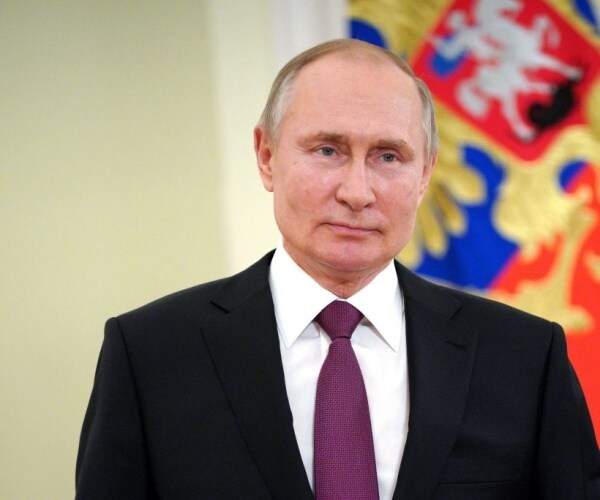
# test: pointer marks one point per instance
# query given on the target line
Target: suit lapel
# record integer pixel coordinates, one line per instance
(440, 358)
(244, 347)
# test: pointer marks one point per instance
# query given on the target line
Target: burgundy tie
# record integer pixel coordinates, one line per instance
(344, 455)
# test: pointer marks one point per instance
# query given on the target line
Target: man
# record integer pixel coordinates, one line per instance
(220, 391)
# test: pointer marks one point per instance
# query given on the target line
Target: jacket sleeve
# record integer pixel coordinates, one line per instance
(568, 459)
(112, 461)
(589, 446)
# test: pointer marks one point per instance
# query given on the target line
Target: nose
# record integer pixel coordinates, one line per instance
(355, 189)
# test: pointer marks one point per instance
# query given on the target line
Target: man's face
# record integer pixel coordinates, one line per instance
(348, 170)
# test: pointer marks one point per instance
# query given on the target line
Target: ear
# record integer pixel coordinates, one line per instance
(426, 177)
(263, 149)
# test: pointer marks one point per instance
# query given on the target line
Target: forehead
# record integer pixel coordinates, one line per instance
(355, 90)
(352, 70)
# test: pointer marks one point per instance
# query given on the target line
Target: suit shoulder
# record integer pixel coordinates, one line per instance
(498, 312)
(199, 303)
(177, 312)
(492, 318)
(503, 325)
(188, 297)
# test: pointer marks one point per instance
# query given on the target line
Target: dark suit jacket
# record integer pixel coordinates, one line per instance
(189, 401)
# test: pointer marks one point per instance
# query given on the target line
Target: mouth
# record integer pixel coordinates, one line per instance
(349, 229)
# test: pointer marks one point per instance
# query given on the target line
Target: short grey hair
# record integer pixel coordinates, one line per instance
(281, 90)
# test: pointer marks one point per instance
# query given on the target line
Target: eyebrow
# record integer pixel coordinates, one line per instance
(325, 137)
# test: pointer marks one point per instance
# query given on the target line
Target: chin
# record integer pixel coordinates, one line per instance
(349, 264)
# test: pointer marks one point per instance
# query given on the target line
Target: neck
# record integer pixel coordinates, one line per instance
(344, 288)
(342, 284)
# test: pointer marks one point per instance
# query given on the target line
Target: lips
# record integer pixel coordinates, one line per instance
(350, 229)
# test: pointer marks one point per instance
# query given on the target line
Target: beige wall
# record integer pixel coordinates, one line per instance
(126, 173)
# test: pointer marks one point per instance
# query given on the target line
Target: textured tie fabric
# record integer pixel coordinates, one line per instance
(344, 459)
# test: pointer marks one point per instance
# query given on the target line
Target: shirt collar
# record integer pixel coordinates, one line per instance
(381, 303)
(298, 298)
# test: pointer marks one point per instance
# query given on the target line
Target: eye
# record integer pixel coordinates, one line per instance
(327, 151)
(389, 157)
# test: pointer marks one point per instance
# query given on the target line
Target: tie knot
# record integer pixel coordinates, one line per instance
(339, 319)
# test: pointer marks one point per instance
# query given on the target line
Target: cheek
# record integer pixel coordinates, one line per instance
(401, 220)
(401, 204)
(293, 200)
(303, 191)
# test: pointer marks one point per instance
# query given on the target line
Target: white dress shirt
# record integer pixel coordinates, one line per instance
(379, 342)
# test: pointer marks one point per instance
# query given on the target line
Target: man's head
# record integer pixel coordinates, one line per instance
(345, 148)
(279, 97)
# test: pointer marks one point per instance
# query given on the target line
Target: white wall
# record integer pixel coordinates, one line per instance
(126, 172)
